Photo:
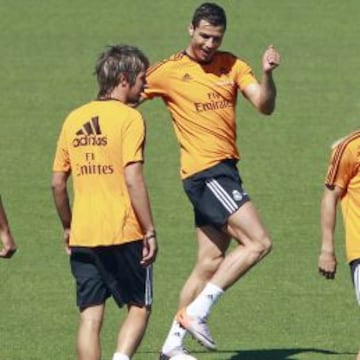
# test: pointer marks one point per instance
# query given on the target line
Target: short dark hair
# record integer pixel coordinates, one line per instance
(212, 13)
(118, 60)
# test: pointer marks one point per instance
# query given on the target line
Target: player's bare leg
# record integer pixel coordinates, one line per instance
(212, 245)
(246, 227)
(88, 337)
(253, 244)
(132, 330)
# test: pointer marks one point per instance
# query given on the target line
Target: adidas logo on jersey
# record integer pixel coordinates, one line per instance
(187, 77)
(90, 134)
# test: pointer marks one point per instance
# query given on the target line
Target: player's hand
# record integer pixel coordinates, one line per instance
(9, 246)
(7, 252)
(327, 265)
(271, 59)
(150, 249)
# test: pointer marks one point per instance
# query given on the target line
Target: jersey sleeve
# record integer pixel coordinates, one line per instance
(134, 139)
(245, 75)
(62, 159)
(155, 77)
(341, 166)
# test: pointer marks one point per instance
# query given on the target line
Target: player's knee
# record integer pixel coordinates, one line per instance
(267, 245)
(262, 246)
(90, 323)
(142, 313)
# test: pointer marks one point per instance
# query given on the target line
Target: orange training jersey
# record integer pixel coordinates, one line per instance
(344, 171)
(96, 142)
(201, 99)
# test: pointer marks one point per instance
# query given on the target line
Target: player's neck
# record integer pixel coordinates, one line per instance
(107, 98)
(117, 94)
(190, 54)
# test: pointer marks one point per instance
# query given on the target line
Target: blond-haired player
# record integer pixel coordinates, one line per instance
(342, 185)
(109, 233)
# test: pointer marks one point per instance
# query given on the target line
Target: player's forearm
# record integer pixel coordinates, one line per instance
(5, 231)
(4, 226)
(328, 224)
(62, 204)
(141, 204)
(267, 97)
(61, 197)
(327, 242)
(139, 197)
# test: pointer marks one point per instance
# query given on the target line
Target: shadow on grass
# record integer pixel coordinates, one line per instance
(264, 354)
(278, 354)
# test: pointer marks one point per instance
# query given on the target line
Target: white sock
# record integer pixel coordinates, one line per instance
(120, 356)
(202, 304)
(175, 337)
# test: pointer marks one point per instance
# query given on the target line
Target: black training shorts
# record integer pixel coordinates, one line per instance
(115, 271)
(216, 193)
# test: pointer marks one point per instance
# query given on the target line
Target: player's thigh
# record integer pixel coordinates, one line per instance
(138, 314)
(212, 245)
(127, 280)
(93, 314)
(245, 225)
(90, 286)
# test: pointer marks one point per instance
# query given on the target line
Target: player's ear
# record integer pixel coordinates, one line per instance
(191, 29)
(123, 81)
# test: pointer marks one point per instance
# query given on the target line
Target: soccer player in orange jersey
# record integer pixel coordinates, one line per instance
(109, 233)
(342, 184)
(199, 87)
(8, 242)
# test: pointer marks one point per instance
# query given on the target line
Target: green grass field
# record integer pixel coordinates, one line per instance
(282, 309)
